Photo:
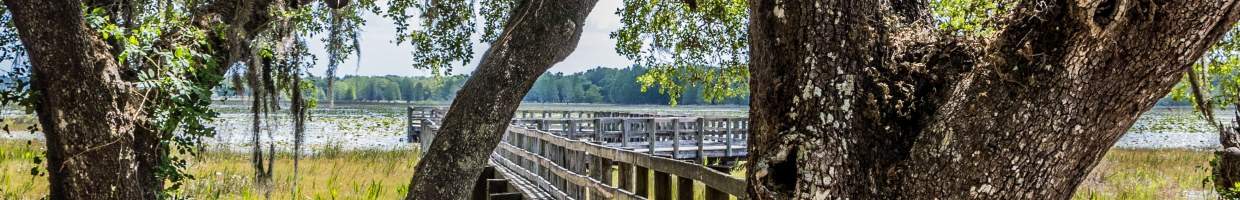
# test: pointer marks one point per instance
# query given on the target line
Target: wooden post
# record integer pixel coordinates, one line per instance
(598, 130)
(409, 124)
(642, 181)
(572, 128)
(605, 171)
(565, 159)
(581, 161)
(600, 169)
(624, 132)
(662, 185)
(701, 140)
(684, 188)
(572, 161)
(651, 131)
(562, 154)
(727, 137)
(538, 147)
(496, 186)
(480, 183)
(675, 137)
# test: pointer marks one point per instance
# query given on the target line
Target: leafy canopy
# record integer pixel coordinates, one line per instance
(705, 43)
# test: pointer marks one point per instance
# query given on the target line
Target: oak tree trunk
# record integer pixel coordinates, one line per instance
(864, 99)
(88, 114)
(539, 34)
(100, 142)
(1226, 173)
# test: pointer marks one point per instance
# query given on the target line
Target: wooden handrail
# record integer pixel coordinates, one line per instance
(567, 176)
(577, 179)
(714, 179)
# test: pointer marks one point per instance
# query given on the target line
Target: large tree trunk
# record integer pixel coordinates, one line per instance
(1226, 174)
(100, 142)
(539, 34)
(864, 99)
(87, 112)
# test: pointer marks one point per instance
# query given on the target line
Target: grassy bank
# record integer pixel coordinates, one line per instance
(336, 174)
(332, 174)
(1149, 174)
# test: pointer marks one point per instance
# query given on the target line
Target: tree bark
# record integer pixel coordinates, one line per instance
(101, 143)
(87, 112)
(1225, 172)
(539, 34)
(864, 99)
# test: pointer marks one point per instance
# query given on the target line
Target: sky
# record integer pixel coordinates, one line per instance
(380, 56)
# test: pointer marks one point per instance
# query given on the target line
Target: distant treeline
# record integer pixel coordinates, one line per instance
(598, 85)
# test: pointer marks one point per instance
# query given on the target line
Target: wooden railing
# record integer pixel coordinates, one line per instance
(573, 168)
(549, 114)
(611, 155)
(675, 137)
(421, 124)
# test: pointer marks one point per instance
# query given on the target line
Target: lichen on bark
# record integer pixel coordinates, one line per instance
(1022, 114)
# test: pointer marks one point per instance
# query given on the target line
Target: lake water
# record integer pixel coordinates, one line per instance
(381, 127)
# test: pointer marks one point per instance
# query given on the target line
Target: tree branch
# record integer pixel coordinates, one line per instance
(860, 99)
(1055, 89)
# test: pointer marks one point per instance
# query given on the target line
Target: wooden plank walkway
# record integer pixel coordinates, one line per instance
(678, 137)
(609, 155)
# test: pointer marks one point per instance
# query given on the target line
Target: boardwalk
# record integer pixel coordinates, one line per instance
(608, 155)
(673, 136)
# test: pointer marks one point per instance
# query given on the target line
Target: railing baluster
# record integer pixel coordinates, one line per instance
(701, 140)
(595, 172)
(684, 188)
(572, 129)
(651, 132)
(624, 132)
(727, 137)
(675, 138)
(598, 130)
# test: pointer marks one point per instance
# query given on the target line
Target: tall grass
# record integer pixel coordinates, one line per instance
(332, 174)
(1149, 174)
(16, 164)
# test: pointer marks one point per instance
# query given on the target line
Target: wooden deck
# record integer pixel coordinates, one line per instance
(609, 155)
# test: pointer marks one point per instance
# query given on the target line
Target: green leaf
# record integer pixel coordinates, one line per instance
(132, 40)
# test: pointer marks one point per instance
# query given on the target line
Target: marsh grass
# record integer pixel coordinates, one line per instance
(332, 173)
(16, 163)
(1149, 174)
